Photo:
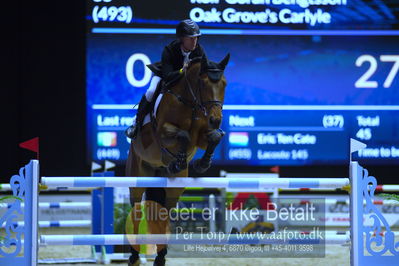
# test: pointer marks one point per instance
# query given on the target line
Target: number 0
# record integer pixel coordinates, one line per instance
(130, 70)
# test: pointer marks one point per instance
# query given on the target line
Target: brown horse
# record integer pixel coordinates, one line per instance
(188, 117)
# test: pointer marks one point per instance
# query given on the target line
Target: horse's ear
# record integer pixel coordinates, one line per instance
(204, 64)
(224, 62)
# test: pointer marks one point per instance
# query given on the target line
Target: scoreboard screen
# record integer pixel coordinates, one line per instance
(304, 76)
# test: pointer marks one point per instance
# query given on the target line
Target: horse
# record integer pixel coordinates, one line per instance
(188, 117)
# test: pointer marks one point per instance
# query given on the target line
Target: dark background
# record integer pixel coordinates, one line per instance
(44, 61)
(46, 56)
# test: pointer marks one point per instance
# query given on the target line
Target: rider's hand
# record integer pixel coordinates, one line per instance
(185, 66)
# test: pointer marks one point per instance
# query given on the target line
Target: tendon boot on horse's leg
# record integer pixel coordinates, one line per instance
(143, 109)
(134, 259)
(135, 216)
(157, 218)
(180, 163)
(203, 164)
(160, 258)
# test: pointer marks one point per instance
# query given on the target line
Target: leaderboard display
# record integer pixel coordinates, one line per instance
(304, 76)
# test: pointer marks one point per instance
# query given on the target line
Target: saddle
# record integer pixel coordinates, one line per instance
(156, 68)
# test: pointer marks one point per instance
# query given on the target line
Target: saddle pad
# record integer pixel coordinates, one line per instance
(147, 118)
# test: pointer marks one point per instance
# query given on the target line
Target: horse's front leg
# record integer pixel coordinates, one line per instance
(214, 137)
(173, 135)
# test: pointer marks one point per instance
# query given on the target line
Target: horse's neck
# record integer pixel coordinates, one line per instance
(182, 88)
(189, 80)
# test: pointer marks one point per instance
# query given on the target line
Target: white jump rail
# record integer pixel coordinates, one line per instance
(6, 187)
(55, 205)
(65, 223)
(206, 182)
(193, 239)
(336, 201)
(378, 189)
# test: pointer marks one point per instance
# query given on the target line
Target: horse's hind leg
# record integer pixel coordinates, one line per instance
(132, 169)
(135, 218)
(157, 218)
(165, 201)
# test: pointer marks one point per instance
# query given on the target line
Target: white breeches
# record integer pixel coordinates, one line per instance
(153, 86)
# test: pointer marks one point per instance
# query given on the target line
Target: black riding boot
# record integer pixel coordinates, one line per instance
(143, 109)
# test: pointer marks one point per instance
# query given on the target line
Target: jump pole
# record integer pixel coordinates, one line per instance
(176, 239)
(207, 182)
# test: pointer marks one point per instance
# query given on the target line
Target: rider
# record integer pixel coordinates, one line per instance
(175, 59)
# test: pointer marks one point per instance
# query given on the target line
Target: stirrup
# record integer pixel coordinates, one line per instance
(131, 132)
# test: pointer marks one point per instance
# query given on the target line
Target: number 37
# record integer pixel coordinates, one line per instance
(364, 82)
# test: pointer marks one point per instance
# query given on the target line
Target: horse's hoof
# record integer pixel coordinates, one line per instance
(215, 136)
(177, 166)
(136, 263)
(199, 167)
(181, 160)
(159, 261)
(173, 168)
(182, 165)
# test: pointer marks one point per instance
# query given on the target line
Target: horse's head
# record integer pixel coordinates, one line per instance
(211, 88)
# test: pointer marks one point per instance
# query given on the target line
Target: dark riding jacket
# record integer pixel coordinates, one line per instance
(173, 60)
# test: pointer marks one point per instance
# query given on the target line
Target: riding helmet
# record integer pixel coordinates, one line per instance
(187, 28)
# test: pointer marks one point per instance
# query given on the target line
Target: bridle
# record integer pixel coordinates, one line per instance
(197, 103)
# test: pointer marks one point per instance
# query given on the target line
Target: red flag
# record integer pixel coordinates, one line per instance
(32, 145)
(275, 169)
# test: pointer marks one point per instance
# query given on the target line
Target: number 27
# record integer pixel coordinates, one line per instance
(364, 82)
